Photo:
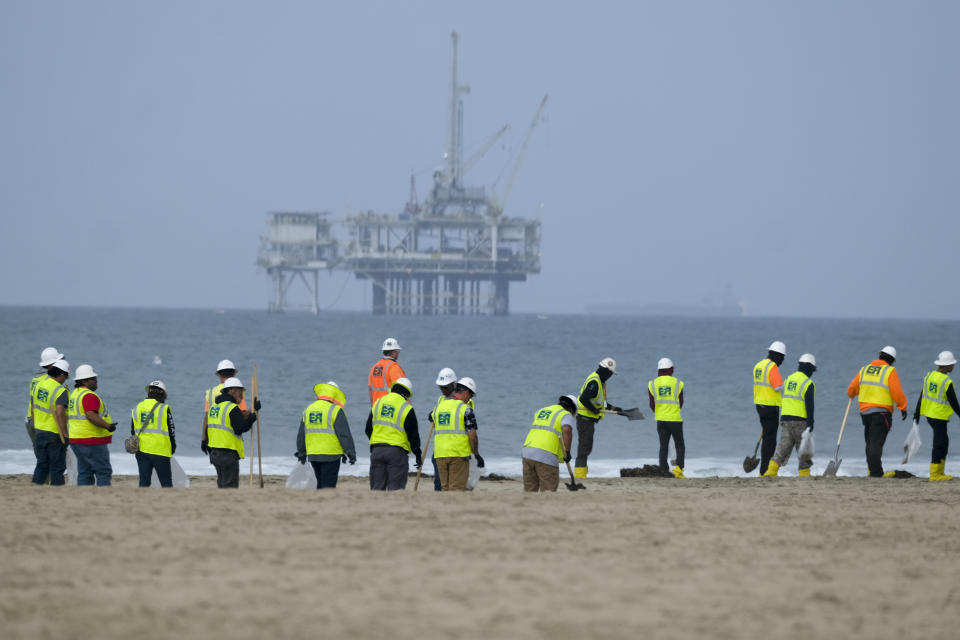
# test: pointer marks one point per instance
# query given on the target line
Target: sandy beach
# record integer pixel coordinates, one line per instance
(717, 558)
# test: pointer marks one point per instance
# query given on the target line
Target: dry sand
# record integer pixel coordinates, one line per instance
(684, 559)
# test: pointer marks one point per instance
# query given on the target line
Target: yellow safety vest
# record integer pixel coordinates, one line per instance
(933, 403)
(875, 385)
(212, 394)
(151, 424)
(220, 433)
(763, 391)
(794, 392)
(666, 397)
(319, 435)
(44, 404)
(450, 438)
(33, 387)
(599, 401)
(77, 423)
(389, 414)
(547, 430)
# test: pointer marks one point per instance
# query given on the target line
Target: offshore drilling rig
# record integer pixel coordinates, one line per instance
(456, 254)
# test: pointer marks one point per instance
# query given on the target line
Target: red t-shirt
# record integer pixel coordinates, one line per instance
(92, 403)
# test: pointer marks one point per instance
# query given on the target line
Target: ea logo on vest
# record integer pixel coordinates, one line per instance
(443, 419)
(316, 417)
(386, 412)
(543, 415)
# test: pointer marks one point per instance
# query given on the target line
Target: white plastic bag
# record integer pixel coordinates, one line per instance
(71, 467)
(474, 476)
(912, 443)
(806, 444)
(302, 477)
(178, 478)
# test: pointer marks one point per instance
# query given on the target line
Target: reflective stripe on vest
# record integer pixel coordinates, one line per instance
(934, 403)
(151, 425)
(450, 434)
(875, 385)
(33, 387)
(666, 397)
(320, 438)
(547, 429)
(220, 434)
(794, 394)
(763, 391)
(44, 404)
(388, 416)
(77, 423)
(599, 401)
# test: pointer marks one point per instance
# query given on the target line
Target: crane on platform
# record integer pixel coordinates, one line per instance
(501, 201)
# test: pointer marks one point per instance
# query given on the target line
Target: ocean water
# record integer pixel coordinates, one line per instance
(520, 363)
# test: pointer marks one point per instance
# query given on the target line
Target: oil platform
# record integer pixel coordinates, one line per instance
(456, 254)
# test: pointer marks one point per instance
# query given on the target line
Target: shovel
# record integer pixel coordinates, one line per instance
(750, 462)
(834, 464)
(573, 485)
(629, 414)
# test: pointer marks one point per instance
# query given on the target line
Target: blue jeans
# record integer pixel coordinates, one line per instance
(327, 473)
(436, 475)
(147, 462)
(92, 460)
(51, 458)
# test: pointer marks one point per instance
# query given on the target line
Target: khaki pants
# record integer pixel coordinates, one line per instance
(453, 473)
(540, 476)
(790, 433)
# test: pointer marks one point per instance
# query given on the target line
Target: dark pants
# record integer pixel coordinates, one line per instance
(388, 468)
(327, 473)
(31, 432)
(51, 458)
(585, 429)
(227, 464)
(147, 462)
(93, 461)
(941, 442)
(875, 428)
(436, 475)
(666, 430)
(769, 422)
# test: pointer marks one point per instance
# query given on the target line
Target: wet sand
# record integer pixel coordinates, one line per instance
(684, 559)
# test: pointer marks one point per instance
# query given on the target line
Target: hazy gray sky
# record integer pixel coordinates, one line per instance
(805, 152)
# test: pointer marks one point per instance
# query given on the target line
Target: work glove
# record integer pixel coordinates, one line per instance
(479, 460)
(173, 449)
(256, 404)
(301, 458)
(916, 418)
(353, 459)
(903, 414)
(112, 427)
(566, 456)
(615, 409)
(419, 461)
(343, 458)
(203, 446)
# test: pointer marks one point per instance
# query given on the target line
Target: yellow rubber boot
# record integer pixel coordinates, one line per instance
(579, 472)
(943, 471)
(936, 471)
(772, 469)
(804, 473)
(889, 474)
(678, 472)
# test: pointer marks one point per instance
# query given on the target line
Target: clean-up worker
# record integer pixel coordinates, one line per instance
(91, 429)
(226, 423)
(152, 422)
(47, 357)
(385, 371)
(796, 416)
(878, 387)
(324, 435)
(937, 402)
(50, 401)
(665, 395)
(547, 443)
(455, 436)
(393, 433)
(591, 404)
(767, 388)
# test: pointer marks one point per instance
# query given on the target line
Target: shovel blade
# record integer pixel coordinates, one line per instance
(632, 414)
(575, 486)
(750, 463)
(832, 467)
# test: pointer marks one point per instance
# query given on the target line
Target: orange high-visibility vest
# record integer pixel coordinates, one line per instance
(382, 376)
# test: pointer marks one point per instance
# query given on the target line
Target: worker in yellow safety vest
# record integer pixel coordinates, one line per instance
(878, 388)
(152, 422)
(796, 416)
(226, 423)
(665, 396)
(50, 400)
(455, 436)
(547, 443)
(446, 380)
(767, 388)
(323, 437)
(938, 402)
(385, 371)
(91, 429)
(225, 370)
(591, 404)
(394, 433)
(47, 357)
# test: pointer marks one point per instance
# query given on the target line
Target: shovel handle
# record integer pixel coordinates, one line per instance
(757, 448)
(842, 425)
(423, 457)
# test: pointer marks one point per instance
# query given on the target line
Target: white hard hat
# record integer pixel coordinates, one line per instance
(945, 359)
(332, 383)
(808, 357)
(778, 347)
(49, 355)
(572, 398)
(84, 372)
(890, 351)
(391, 344)
(445, 377)
(609, 363)
(405, 383)
(226, 365)
(63, 365)
(232, 383)
(665, 363)
(469, 384)
(158, 384)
